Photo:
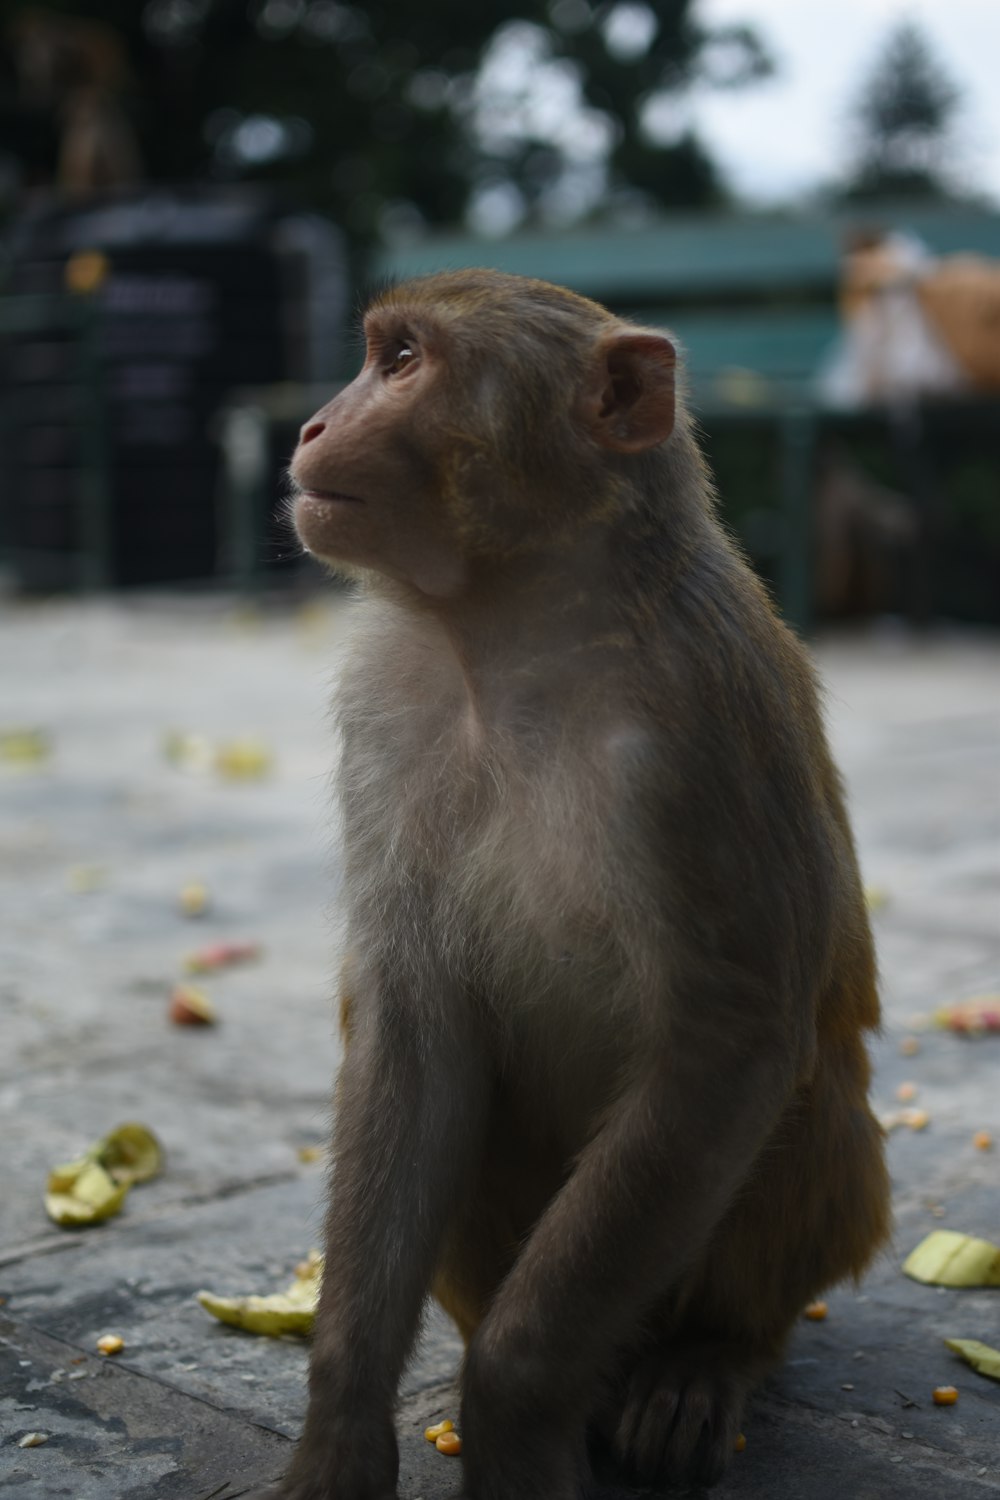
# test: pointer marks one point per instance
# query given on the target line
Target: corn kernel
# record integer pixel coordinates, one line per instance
(817, 1311)
(982, 1140)
(740, 1443)
(945, 1395)
(111, 1343)
(449, 1443)
(433, 1433)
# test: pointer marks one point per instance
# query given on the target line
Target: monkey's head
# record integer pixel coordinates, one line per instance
(494, 416)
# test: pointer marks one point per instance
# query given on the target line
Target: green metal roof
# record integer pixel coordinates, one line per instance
(688, 256)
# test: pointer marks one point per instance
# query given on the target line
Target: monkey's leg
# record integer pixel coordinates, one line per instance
(645, 1195)
(515, 1180)
(409, 1105)
(813, 1212)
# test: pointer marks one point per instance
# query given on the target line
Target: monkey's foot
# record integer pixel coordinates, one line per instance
(682, 1412)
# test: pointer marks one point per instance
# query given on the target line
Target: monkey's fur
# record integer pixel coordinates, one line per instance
(611, 971)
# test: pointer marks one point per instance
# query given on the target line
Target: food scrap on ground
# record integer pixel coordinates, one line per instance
(221, 956)
(243, 759)
(981, 1357)
(24, 747)
(191, 1007)
(433, 1433)
(33, 1440)
(307, 1154)
(290, 1312)
(944, 1395)
(193, 899)
(740, 1443)
(982, 1140)
(913, 1119)
(94, 1186)
(815, 1312)
(110, 1343)
(975, 1017)
(906, 1092)
(449, 1443)
(189, 752)
(947, 1258)
(876, 896)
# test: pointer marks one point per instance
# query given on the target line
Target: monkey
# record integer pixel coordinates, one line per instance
(610, 975)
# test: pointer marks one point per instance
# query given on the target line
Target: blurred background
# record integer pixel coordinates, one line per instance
(194, 195)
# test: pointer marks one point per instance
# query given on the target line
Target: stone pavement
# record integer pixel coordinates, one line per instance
(195, 1411)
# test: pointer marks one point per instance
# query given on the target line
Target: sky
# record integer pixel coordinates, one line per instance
(789, 134)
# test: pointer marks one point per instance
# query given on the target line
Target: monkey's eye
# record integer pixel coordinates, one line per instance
(400, 357)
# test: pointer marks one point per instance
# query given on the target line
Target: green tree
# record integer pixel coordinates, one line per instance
(904, 118)
(388, 113)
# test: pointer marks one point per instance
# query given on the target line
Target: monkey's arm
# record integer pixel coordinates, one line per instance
(638, 1208)
(409, 1107)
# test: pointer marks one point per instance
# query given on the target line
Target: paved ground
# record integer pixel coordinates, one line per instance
(192, 1410)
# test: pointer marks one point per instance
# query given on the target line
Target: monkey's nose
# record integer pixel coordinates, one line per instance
(310, 431)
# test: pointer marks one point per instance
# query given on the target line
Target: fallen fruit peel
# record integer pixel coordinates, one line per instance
(91, 1197)
(981, 1357)
(191, 1007)
(94, 1186)
(24, 746)
(290, 1312)
(947, 1258)
(221, 956)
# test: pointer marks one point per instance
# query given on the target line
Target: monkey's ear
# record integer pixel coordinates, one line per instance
(628, 401)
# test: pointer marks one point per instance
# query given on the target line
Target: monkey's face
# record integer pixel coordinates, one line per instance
(493, 417)
(367, 468)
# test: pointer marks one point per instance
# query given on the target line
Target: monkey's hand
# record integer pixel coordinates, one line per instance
(517, 1444)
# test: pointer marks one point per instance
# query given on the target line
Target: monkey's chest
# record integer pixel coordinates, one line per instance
(507, 866)
(525, 896)
(507, 886)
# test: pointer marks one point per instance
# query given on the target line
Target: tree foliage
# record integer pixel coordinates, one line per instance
(388, 112)
(904, 118)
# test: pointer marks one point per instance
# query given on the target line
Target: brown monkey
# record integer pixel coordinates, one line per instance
(605, 1086)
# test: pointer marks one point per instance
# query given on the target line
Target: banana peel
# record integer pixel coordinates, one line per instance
(292, 1311)
(946, 1258)
(980, 1356)
(95, 1186)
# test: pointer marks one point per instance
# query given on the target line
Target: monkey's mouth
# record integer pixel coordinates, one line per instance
(314, 494)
